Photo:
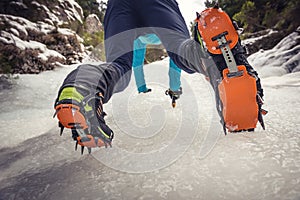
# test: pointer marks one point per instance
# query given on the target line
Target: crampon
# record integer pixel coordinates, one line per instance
(88, 126)
(174, 95)
(239, 102)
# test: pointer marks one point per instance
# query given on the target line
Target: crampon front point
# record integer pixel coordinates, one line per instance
(70, 116)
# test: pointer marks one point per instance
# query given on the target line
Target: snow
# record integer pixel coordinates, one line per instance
(14, 31)
(47, 53)
(21, 44)
(282, 59)
(36, 3)
(19, 27)
(73, 13)
(23, 25)
(11, 39)
(20, 4)
(252, 40)
(66, 31)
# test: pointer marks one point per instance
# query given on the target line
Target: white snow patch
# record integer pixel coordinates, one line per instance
(5, 40)
(49, 21)
(282, 59)
(35, 3)
(94, 16)
(21, 44)
(66, 31)
(73, 12)
(213, 19)
(24, 25)
(288, 41)
(51, 14)
(252, 40)
(19, 27)
(12, 39)
(20, 4)
(14, 31)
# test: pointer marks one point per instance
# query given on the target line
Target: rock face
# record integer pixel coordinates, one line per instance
(283, 58)
(266, 39)
(154, 53)
(93, 24)
(37, 35)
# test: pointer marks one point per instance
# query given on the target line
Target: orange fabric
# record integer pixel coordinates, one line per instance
(238, 95)
(69, 114)
(213, 22)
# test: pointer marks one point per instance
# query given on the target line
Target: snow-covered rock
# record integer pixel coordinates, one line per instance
(265, 39)
(93, 24)
(35, 35)
(282, 59)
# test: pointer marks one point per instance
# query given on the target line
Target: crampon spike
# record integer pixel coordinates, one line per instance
(54, 115)
(216, 6)
(174, 104)
(261, 120)
(198, 15)
(76, 145)
(61, 130)
(224, 129)
(263, 111)
(167, 92)
(82, 150)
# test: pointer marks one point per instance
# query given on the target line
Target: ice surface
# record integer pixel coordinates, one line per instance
(159, 152)
(27, 108)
